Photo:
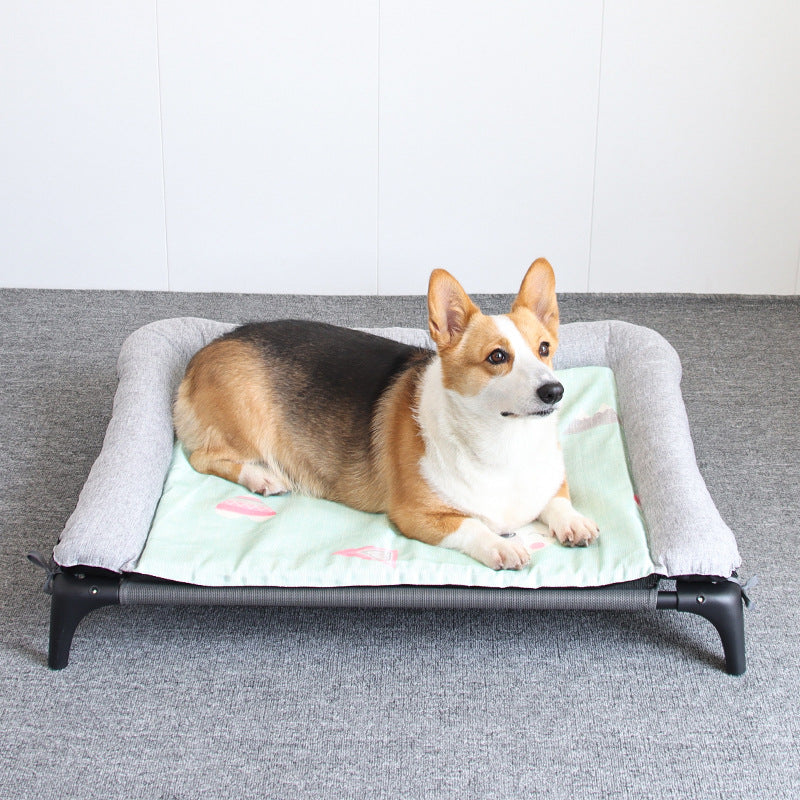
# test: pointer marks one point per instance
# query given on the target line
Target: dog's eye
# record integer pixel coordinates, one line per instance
(497, 356)
(544, 349)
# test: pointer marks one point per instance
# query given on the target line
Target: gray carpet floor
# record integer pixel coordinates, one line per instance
(165, 703)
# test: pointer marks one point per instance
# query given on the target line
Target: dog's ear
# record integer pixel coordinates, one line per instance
(449, 308)
(538, 293)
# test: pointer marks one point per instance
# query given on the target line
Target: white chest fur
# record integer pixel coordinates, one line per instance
(502, 470)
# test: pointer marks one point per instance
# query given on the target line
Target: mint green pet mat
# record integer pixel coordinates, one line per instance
(211, 532)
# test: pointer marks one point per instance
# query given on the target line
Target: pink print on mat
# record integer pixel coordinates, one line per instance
(371, 553)
(245, 506)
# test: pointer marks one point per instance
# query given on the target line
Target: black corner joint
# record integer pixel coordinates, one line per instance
(720, 602)
(74, 595)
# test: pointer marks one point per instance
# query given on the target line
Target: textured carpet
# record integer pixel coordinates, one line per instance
(192, 702)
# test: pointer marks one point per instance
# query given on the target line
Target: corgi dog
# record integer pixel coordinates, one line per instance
(458, 445)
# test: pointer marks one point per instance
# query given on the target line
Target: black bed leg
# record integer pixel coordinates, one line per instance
(720, 602)
(74, 596)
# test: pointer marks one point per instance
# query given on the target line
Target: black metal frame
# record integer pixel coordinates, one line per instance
(76, 593)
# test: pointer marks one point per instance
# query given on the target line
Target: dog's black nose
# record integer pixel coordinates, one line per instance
(550, 393)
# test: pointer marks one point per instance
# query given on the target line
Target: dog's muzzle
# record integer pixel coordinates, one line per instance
(549, 394)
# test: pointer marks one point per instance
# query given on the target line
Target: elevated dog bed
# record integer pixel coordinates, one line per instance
(149, 530)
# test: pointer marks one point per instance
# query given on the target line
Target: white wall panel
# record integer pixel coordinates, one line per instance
(487, 137)
(313, 147)
(698, 172)
(270, 140)
(81, 200)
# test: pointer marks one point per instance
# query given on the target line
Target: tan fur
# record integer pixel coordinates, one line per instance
(564, 490)
(449, 309)
(537, 294)
(464, 365)
(411, 505)
(232, 423)
(224, 415)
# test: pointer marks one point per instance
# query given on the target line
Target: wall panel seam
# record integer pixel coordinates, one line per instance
(596, 147)
(163, 158)
(378, 170)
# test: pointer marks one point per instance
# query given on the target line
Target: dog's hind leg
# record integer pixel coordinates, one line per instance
(254, 475)
(258, 477)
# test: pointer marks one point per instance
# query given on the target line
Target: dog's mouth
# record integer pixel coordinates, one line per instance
(544, 412)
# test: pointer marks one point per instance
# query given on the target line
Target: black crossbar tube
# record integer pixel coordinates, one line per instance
(604, 598)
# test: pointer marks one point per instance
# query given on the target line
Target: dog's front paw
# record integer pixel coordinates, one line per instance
(567, 525)
(497, 552)
(576, 531)
(505, 553)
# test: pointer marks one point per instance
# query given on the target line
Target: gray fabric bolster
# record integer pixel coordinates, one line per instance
(686, 534)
